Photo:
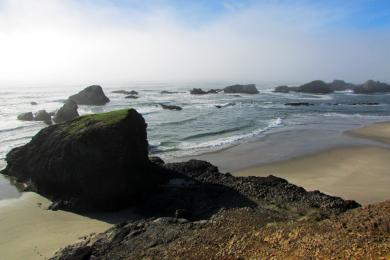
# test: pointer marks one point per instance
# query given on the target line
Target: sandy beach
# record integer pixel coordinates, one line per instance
(360, 173)
(30, 231)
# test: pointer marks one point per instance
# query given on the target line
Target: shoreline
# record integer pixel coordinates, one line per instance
(357, 172)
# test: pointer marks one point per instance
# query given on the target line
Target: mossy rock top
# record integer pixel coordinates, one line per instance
(83, 123)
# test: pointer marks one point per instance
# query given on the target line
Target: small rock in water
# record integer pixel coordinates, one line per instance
(34, 103)
(170, 107)
(28, 116)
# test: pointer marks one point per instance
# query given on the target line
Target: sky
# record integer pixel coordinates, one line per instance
(243, 41)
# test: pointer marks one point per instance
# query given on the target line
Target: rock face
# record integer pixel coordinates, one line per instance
(67, 112)
(92, 95)
(44, 116)
(28, 116)
(171, 107)
(371, 86)
(93, 162)
(245, 89)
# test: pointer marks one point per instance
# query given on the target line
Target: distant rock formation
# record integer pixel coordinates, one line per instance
(44, 116)
(92, 95)
(370, 87)
(28, 116)
(295, 104)
(125, 92)
(33, 103)
(199, 91)
(168, 92)
(245, 89)
(96, 161)
(341, 85)
(132, 96)
(67, 112)
(171, 107)
(282, 89)
(315, 87)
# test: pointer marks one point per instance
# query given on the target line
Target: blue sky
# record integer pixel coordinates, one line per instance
(183, 40)
(357, 14)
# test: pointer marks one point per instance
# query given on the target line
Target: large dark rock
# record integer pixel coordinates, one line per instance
(245, 89)
(315, 87)
(67, 112)
(96, 161)
(44, 116)
(92, 95)
(340, 85)
(371, 86)
(28, 116)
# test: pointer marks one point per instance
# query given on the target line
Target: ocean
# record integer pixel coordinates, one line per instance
(200, 127)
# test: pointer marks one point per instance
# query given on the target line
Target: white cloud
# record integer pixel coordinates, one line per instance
(64, 41)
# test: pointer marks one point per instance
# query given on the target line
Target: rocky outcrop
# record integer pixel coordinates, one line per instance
(245, 89)
(44, 116)
(370, 87)
(341, 85)
(199, 91)
(171, 107)
(92, 95)
(93, 162)
(28, 116)
(199, 206)
(67, 112)
(315, 87)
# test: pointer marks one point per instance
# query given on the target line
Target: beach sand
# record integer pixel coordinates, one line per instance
(29, 231)
(360, 173)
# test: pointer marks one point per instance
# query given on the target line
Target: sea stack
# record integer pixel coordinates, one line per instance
(245, 89)
(92, 95)
(96, 161)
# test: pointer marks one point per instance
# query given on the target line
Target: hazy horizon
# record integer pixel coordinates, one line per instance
(95, 42)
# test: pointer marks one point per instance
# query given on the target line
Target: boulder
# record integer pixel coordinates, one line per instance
(95, 161)
(28, 116)
(44, 116)
(315, 87)
(171, 107)
(370, 87)
(245, 89)
(282, 89)
(67, 112)
(92, 95)
(33, 103)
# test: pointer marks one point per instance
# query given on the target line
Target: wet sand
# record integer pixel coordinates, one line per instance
(351, 172)
(30, 231)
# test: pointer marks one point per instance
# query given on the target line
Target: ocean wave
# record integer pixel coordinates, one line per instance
(232, 139)
(179, 122)
(351, 115)
(224, 131)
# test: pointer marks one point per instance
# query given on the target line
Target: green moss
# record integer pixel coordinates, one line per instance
(82, 123)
